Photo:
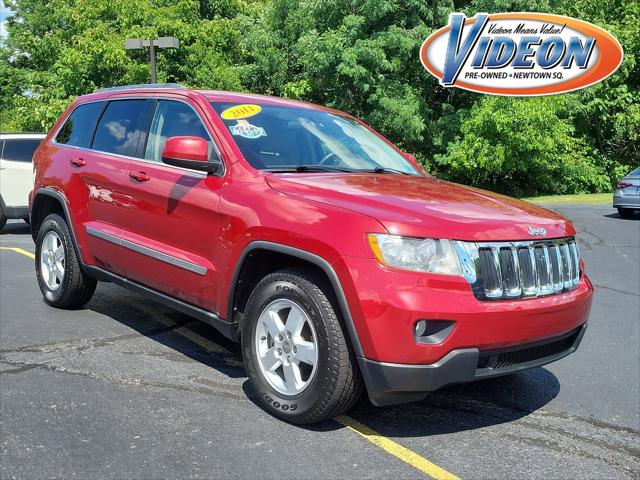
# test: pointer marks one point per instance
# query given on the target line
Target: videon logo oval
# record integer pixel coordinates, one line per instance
(520, 54)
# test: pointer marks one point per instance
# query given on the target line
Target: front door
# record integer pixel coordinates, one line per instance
(174, 226)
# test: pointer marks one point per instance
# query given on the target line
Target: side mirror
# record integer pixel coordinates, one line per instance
(191, 152)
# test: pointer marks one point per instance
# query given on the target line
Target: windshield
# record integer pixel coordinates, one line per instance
(282, 138)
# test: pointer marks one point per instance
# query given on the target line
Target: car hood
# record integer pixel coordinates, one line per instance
(426, 206)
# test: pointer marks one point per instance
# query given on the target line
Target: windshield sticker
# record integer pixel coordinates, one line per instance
(241, 111)
(246, 130)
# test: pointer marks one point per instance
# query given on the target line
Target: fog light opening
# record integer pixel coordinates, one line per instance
(432, 331)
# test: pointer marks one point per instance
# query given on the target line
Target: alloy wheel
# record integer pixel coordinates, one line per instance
(52, 260)
(286, 346)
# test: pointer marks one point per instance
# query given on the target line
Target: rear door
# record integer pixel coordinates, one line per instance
(69, 166)
(99, 171)
(16, 170)
(173, 225)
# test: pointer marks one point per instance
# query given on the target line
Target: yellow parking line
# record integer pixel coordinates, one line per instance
(397, 450)
(20, 250)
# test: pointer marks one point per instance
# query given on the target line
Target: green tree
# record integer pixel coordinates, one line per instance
(59, 49)
(523, 147)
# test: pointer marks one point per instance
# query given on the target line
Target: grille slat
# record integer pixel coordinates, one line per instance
(526, 269)
(556, 268)
(567, 266)
(576, 263)
(509, 269)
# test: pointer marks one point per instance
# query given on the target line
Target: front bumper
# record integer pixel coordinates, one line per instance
(392, 383)
(386, 303)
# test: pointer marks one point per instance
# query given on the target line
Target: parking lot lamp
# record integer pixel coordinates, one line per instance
(152, 44)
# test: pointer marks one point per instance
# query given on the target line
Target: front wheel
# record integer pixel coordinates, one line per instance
(296, 351)
(60, 277)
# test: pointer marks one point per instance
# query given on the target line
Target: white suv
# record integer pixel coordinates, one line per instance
(16, 174)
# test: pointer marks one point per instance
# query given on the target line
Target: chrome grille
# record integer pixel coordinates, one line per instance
(508, 270)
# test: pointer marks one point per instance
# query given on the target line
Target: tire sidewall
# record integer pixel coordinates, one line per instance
(56, 224)
(285, 406)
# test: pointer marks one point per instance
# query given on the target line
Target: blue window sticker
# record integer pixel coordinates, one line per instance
(246, 130)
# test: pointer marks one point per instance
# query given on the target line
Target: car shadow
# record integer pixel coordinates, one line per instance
(463, 407)
(452, 409)
(171, 328)
(636, 216)
(16, 228)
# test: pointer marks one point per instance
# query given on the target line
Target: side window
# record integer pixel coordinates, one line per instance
(172, 119)
(121, 127)
(78, 128)
(20, 150)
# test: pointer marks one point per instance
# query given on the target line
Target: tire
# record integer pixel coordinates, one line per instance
(73, 288)
(334, 384)
(625, 212)
(3, 219)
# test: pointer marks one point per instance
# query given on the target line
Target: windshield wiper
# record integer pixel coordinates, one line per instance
(389, 170)
(309, 168)
(328, 168)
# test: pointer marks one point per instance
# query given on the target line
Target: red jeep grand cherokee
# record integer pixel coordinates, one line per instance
(299, 231)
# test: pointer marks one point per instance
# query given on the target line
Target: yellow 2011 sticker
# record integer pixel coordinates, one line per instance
(241, 111)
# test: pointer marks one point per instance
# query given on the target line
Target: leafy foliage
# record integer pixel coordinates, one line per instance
(360, 56)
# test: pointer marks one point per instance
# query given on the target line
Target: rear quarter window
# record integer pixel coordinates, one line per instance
(78, 128)
(19, 150)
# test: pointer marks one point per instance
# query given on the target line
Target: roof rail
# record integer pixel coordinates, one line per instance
(142, 85)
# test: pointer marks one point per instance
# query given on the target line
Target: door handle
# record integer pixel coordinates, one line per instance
(139, 176)
(78, 162)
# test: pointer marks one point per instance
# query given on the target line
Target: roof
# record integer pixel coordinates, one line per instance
(222, 96)
(210, 95)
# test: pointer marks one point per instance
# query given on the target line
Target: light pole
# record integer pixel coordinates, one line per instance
(152, 44)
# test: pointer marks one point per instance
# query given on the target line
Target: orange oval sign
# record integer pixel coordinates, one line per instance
(520, 54)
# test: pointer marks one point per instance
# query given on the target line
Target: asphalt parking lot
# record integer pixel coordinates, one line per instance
(129, 388)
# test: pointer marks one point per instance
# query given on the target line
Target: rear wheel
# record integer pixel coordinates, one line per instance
(60, 277)
(625, 212)
(296, 351)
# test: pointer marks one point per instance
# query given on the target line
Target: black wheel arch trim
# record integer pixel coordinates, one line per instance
(312, 258)
(49, 192)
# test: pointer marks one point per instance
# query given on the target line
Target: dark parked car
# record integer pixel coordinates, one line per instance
(626, 197)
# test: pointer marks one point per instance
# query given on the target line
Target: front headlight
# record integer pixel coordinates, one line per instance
(419, 254)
